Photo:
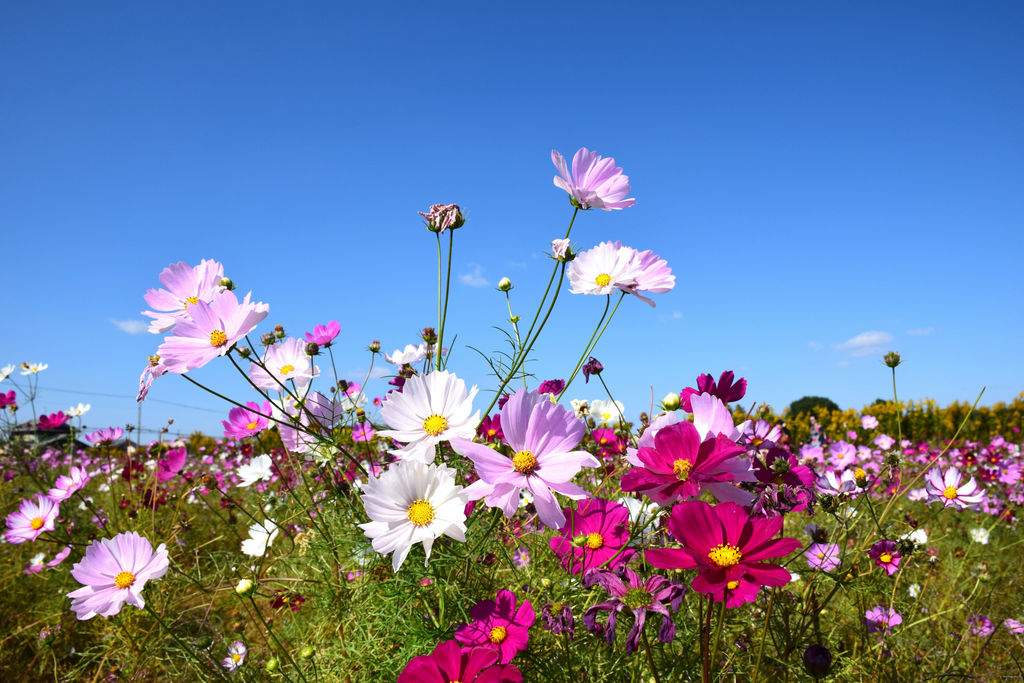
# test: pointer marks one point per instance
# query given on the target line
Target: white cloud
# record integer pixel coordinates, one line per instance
(921, 331)
(814, 346)
(131, 326)
(475, 278)
(865, 343)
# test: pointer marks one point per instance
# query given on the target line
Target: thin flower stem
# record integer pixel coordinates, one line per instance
(718, 632)
(590, 350)
(447, 289)
(273, 635)
(586, 348)
(440, 265)
(184, 646)
(764, 635)
(650, 657)
(554, 270)
(899, 411)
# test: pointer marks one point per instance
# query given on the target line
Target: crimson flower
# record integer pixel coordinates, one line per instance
(724, 389)
(52, 421)
(727, 547)
(448, 662)
(593, 534)
(499, 625)
(8, 399)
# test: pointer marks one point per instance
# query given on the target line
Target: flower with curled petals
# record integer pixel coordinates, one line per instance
(595, 182)
(627, 591)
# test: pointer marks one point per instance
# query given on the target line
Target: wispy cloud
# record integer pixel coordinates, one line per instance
(865, 343)
(130, 326)
(474, 278)
(814, 346)
(921, 331)
(676, 315)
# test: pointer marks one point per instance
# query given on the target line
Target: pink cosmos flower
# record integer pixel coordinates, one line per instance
(449, 662)
(108, 434)
(286, 360)
(441, 217)
(363, 431)
(869, 422)
(52, 421)
(655, 276)
(595, 533)
(154, 368)
(884, 441)
(323, 335)
(213, 329)
(317, 415)
(31, 519)
(489, 428)
(168, 467)
(823, 556)
(950, 489)
(727, 547)
(880, 619)
(113, 572)
(543, 437)
(724, 389)
(596, 182)
(499, 624)
(886, 556)
(236, 656)
(61, 555)
(681, 465)
(66, 485)
(243, 422)
(184, 285)
(8, 399)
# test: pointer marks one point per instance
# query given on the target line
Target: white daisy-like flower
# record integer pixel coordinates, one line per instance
(913, 590)
(284, 361)
(604, 269)
(258, 469)
(412, 502)
(410, 354)
(918, 536)
(606, 413)
(430, 409)
(33, 368)
(260, 538)
(79, 410)
(6, 371)
(979, 535)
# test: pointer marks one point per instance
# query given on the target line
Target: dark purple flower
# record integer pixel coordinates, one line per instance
(817, 660)
(628, 591)
(725, 389)
(886, 555)
(552, 386)
(591, 367)
(558, 618)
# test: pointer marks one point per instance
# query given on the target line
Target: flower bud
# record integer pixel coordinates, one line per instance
(561, 251)
(267, 339)
(817, 660)
(312, 349)
(227, 284)
(514, 319)
(307, 652)
(279, 331)
(271, 665)
(670, 402)
(429, 335)
(504, 284)
(374, 346)
(243, 351)
(245, 588)
(892, 359)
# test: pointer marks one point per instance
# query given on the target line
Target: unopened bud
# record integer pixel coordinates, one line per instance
(227, 284)
(271, 665)
(312, 349)
(374, 346)
(860, 476)
(780, 465)
(245, 588)
(514, 319)
(243, 351)
(504, 284)
(670, 402)
(429, 335)
(892, 359)
(267, 339)
(307, 652)
(279, 331)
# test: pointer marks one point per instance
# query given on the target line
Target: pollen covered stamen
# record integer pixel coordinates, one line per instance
(251, 426)
(886, 558)
(218, 338)
(732, 585)
(285, 369)
(595, 541)
(603, 280)
(124, 580)
(498, 634)
(637, 597)
(725, 555)
(435, 424)
(524, 462)
(682, 468)
(36, 523)
(420, 512)
(950, 493)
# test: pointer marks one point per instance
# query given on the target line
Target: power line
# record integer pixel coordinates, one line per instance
(150, 400)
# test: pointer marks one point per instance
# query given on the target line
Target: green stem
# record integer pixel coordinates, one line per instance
(592, 344)
(764, 636)
(447, 288)
(650, 656)
(203, 666)
(273, 635)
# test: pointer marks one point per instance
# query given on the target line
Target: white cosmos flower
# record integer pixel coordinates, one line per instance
(412, 502)
(33, 368)
(580, 407)
(604, 269)
(430, 409)
(258, 469)
(6, 371)
(410, 354)
(284, 361)
(79, 410)
(260, 538)
(979, 535)
(606, 413)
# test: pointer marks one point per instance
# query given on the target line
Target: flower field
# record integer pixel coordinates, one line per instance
(417, 529)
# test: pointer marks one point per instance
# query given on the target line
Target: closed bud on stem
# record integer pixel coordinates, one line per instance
(504, 284)
(271, 665)
(307, 652)
(227, 284)
(279, 331)
(245, 588)
(267, 339)
(892, 359)
(243, 351)
(312, 349)
(670, 402)
(514, 319)
(429, 335)
(817, 660)
(374, 346)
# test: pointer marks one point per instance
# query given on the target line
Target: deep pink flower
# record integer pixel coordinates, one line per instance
(66, 485)
(114, 571)
(724, 389)
(323, 335)
(169, 466)
(243, 422)
(596, 182)
(727, 547)
(31, 519)
(52, 421)
(500, 625)
(449, 662)
(212, 330)
(108, 434)
(490, 428)
(551, 386)
(8, 399)
(594, 533)
(951, 489)
(886, 556)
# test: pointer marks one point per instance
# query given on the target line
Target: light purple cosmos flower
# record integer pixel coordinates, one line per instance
(833, 484)
(114, 571)
(628, 591)
(881, 619)
(67, 484)
(981, 625)
(655, 276)
(869, 422)
(31, 519)
(236, 656)
(284, 361)
(886, 556)
(323, 335)
(543, 437)
(560, 248)
(823, 556)
(184, 285)
(154, 368)
(363, 431)
(213, 329)
(243, 422)
(61, 555)
(605, 269)
(108, 434)
(884, 441)
(951, 489)
(596, 182)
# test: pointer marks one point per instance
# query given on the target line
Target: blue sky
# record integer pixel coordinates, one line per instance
(827, 180)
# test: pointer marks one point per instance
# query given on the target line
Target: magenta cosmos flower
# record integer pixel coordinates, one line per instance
(449, 662)
(323, 335)
(52, 421)
(67, 484)
(951, 489)
(184, 285)
(628, 591)
(680, 465)
(595, 533)
(886, 556)
(243, 422)
(212, 330)
(881, 619)
(31, 519)
(543, 437)
(727, 547)
(169, 466)
(499, 624)
(595, 182)
(114, 571)
(724, 389)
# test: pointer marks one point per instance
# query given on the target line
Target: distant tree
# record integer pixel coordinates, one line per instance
(807, 404)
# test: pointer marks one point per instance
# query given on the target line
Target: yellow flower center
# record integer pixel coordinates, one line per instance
(725, 555)
(732, 585)
(37, 523)
(251, 425)
(950, 492)
(124, 579)
(860, 473)
(492, 432)
(821, 556)
(420, 512)
(285, 369)
(602, 280)
(524, 462)
(886, 558)
(682, 469)
(498, 634)
(435, 424)
(595, 541)
(154, 360)
(218, 338)
(237, 657)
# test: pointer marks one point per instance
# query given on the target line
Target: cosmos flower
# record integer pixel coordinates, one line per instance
(881, 619)
(724, 389)
(284, 361)
(212, 330)
(6, 371)
(868, 421)
(259, 469)
(113, 572)
(886, 556)
(449, 662)
(605, 269)
(79, 410)
(363, 431)
(605, 412)
(32, 368)
(261, 536)
(413, 502)
(31, 519)
(67, 484)
(595, 182)
(498, 624)
(979, 535)
(301, 428)
(61, 555)
(8, 399)
(243, 422)
(596, 532)
(323, 335)
(183, 285)
(950, 489)
(655, 276)
(543, 437)
(430, 409)
(169, 466)
(105, 435)
(154, 368)
(410, 354)
(236, 656)
(823, 556)
(591, 367)
(627, 591)
(441, 217)
(52, 421)
(560, 248)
